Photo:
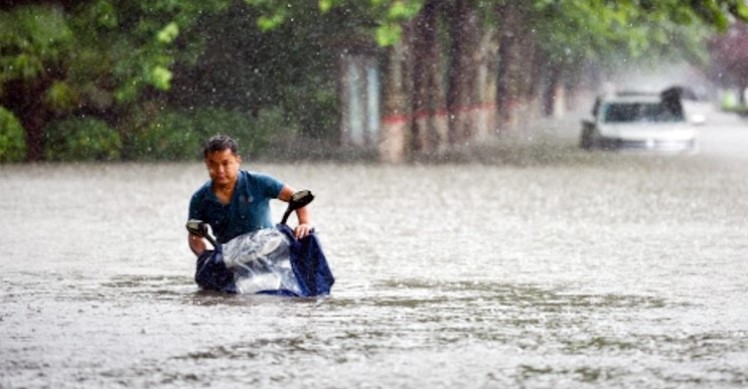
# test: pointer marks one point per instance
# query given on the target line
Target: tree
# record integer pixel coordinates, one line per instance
(540, 44)
(34, 40)
(118, 61)
(94, 57)
(430, 127)
(468, 54)
(388, 24)
(729, 53)
(291, 67)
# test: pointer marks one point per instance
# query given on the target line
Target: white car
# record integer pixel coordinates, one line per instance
(639, 121)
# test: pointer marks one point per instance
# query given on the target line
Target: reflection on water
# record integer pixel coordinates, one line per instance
(543, 267)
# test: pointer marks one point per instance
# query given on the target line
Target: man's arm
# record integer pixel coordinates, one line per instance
(302, 214)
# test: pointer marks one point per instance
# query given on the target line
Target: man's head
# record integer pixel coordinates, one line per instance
(219, 143)
(221, 159)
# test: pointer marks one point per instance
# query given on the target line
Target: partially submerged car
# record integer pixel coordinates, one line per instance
(643, 121)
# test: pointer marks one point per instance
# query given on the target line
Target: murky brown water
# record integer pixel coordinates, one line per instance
(556, 268)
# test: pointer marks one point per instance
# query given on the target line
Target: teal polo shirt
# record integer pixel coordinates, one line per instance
(248, 210)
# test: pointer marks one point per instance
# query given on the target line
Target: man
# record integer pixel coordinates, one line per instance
(234, 201)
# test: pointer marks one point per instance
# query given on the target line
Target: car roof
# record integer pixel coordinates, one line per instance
(632, 97)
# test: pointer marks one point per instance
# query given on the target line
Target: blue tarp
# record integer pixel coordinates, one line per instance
(310, 273)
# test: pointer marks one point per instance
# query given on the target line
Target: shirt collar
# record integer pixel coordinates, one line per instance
(240, 183)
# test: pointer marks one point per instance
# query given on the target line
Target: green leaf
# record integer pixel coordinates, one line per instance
(404, 9)
(388, 35)
(325, 5)
(269, 22)
(741, 10)
(168, 33)
(12, 137)
(81, 139)
(61, 96)
(161, 77)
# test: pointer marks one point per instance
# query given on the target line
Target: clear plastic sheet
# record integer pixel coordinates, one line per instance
(260, 261)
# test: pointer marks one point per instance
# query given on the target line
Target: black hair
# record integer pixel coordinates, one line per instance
(219, 143)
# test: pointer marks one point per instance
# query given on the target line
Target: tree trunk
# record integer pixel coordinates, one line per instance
(464, 95)
(29, 107)
(553, 94)
(430, 119)
(396, 121)
(533, 76)
(487, 84)
(508, 82)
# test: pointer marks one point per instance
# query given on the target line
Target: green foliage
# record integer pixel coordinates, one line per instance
(388, 34)
(389, 31)
(611, 33)
(383, 18)
(296, 77)
(178, 134)
(121, 47)
(246, 131)
(33, 40)
(171, 136)
(270, 125)
(277, 59)
(12, 138)
(81, 139)
(254, 134)
(310, 108)
(168, 33)
(145, 56)
(160, 77)
(93, 56)
(61, 96)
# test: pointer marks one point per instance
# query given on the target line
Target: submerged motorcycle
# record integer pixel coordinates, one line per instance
(267, 261)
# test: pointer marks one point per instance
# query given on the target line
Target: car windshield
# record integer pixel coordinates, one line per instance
(639, 112)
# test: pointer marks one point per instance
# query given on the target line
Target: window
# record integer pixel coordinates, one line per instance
(640, 112)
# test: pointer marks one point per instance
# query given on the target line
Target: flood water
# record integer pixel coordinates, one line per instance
(548, 267)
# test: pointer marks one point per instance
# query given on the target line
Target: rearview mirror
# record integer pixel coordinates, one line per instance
(301, 198)
(197, 227)
(201, 229)
(298, 200)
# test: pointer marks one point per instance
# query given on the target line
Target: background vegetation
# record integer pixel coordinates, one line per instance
(150, 79)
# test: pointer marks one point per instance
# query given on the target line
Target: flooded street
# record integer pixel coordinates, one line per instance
(554, 268)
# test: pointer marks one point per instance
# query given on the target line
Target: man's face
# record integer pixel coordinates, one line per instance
(223, 166)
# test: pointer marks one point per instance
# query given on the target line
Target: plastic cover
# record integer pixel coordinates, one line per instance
(269, 261)
(261, 261)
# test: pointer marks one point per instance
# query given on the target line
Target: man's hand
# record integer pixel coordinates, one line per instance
(302, 230)
(196, 243)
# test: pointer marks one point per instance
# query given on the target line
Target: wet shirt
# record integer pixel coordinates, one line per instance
(248, 210)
